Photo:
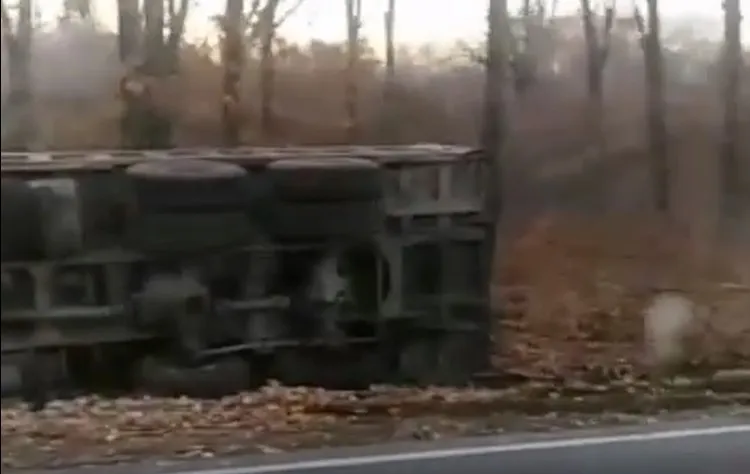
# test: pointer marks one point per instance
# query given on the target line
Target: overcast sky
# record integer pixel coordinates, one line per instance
(418, 21)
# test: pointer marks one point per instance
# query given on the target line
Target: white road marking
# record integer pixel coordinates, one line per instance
(475, 451)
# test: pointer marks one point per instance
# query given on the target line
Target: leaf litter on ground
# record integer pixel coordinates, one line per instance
(276, 418)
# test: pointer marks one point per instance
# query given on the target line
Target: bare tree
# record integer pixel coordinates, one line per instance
(129, 45)
(731, 171)
(533, 44)
(531, 48)
(650, 31)
(18, 117)
(495, 127)
(269, 20)
(150, 53)
(495, 121)
(267, 33)
(233, 57)
(244, 30)
(353, 27)
(389, 85)
(598, 41)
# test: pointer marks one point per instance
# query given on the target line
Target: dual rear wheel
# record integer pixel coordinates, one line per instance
(180, 203)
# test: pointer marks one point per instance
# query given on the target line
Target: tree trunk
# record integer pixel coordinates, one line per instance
(353, 23)
(18, 117)
(494, 137)
(495, 126)
(388, 128)
(150, 59)
(267, 67)
(656, 109)
(154, 16)
(171, 49)
(234, 59)
(596, 55)
(594, 69)
(731, 171)
(521, 63)
(156, 129)
(131, 86)
(129, 30)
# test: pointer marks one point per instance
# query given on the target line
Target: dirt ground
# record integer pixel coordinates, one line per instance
(276, 419)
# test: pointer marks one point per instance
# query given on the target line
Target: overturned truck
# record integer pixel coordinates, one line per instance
(201, 272)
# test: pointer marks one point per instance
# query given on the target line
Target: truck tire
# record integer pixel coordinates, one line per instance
(348, 219)
(160, 377)
(184, 184)
(20, 220)
(326, 179)
(175, 233)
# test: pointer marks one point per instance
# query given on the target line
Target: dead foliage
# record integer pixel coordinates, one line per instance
(90, 431)
(573, 290)
(99, 430)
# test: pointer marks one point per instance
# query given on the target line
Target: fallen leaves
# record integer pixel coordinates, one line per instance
(93, 428)
(573, 289)
(276, 419)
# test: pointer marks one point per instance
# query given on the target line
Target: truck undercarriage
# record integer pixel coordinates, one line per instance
(203, 272)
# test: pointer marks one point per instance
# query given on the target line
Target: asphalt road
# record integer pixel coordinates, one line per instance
(718, 446)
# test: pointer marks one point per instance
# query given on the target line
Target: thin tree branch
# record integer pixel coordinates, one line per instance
(177, 25)
(289, 12)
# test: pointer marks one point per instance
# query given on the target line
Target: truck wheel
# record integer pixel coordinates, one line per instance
(350, 219)
(326, 179)
(182, 184)
(160, 377)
